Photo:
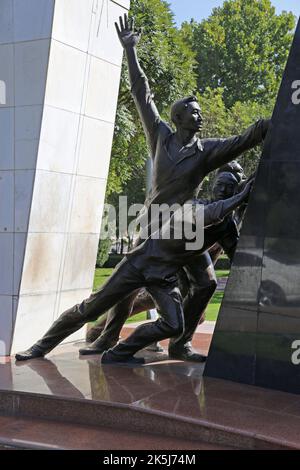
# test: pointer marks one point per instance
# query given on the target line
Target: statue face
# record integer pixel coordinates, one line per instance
(225, 187)
(191, 117)
(238, 171)
(224, 191)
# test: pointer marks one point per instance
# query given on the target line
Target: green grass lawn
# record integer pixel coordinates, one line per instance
(222, 273)
(212, 311)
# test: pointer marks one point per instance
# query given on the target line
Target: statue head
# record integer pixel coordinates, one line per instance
(235, 168)
(186, 114)
(225, 186)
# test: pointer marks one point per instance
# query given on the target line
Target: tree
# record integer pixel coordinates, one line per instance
(220, 121)
(242, 47)
(103, 252)
(241, 52)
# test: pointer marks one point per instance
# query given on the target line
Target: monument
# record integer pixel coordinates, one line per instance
(60, 68)
(59, 81)
(257, 337)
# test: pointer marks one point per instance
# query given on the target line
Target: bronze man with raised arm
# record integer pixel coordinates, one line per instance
(181, 161)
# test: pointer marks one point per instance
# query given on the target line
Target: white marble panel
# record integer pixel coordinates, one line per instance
(58, 142)
(27, 132)
(33, 19)
(6, 324)
(35, 316)
(67, 300)
(42, 263)
(6, 22)
(80, 262)
(65, 77)
(6, 201)
(6, 263)
(95, 148)
(71, 152)
(87, 205)
(24, 180)
(72, 21)
(31, 63)
(7, 138)
(50, 202)
(19, 252)
(7, 75)
(103, 90)
(105, 43)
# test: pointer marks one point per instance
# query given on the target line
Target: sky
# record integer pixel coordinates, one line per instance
(199, 9)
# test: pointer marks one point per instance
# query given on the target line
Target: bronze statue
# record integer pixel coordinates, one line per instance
(181, 161)
(226, 184)
(153, 264)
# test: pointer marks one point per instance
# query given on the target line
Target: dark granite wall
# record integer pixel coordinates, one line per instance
(259, 321)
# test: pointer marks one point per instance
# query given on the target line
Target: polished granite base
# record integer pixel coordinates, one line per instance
(166, 398)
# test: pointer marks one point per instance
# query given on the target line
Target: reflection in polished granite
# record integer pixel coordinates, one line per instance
(259, 319)
(65, 375)
(167, 388)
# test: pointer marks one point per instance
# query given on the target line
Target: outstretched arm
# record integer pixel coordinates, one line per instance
(226, 150)
(217, 211)
(140, 89)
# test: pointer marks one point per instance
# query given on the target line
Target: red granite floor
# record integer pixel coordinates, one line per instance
(171, 389)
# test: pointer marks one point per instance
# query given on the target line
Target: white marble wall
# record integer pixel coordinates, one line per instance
(60, 63)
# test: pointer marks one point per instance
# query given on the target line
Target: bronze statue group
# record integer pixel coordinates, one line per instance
(160, 271)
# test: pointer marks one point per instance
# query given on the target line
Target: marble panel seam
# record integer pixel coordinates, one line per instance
(25, 41)
(88, 53)
(42, 293)
(53, 233)
(81, 114)
(41, 170)
(71, 112)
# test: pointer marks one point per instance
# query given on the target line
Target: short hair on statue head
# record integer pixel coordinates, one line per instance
(179, 106)
(225, 177)
(228, 167)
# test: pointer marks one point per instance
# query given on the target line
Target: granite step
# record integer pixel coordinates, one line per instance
(37, 434)
(122, 420)
(169, 398)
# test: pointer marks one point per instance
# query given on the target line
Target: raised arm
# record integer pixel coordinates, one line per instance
(225, 150)
(140, 89)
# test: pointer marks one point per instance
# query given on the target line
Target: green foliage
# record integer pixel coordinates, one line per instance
(103, 252)
(242, 47)
(220, 121)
